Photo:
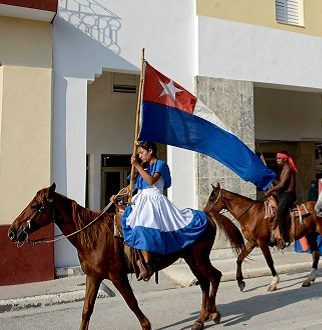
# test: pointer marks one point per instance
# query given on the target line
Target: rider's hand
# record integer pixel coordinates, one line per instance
(112, 199)
(134, 161)
(267, 193)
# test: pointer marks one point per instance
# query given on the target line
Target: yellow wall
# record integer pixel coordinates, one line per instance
(25, 157)
(1, 88)
(25, 110)
(262, 12)
(25, 43)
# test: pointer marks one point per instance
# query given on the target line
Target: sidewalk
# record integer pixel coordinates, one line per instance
(72, 288)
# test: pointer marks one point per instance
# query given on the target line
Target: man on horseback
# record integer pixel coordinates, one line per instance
(284, 190)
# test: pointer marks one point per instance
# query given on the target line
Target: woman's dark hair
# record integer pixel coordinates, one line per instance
(147, 145)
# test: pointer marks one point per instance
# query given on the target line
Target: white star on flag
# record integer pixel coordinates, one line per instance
(169, 89)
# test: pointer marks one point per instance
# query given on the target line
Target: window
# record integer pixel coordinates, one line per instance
(289, 12)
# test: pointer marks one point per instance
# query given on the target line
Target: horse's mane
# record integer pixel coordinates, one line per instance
(82, 216)
(241, 196)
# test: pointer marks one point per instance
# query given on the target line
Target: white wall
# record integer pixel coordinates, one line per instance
(287, 115)
(240, 51)
(110, 34)
(110, 128)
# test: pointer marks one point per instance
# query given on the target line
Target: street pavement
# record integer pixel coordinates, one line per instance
(72, 288)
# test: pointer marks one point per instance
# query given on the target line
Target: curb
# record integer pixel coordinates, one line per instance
(68, 271)
(40, 301)
(264, 271)
(185, 278)
(9, 305)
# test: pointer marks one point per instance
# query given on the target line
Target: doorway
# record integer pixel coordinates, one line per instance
(114, 172)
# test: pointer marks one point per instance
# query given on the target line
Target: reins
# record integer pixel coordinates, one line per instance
(122, 192)
(245, 211)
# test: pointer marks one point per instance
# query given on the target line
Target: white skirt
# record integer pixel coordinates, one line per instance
(154, 224)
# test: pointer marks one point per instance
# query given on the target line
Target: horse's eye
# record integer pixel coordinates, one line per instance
(36, 206)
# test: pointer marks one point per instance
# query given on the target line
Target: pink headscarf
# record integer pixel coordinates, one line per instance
(290, 160)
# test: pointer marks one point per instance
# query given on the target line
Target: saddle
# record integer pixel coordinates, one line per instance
(270, 208)
(133, 257)
(298, 211)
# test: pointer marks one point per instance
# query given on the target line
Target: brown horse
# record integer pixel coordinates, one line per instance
(101, 255)
(257, 230)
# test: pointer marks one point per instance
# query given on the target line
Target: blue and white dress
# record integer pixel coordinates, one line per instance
(153, 223)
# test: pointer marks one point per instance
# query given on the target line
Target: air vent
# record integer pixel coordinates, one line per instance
(124, 83)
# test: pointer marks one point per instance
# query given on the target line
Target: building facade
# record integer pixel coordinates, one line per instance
(26, 88)
(255, 63)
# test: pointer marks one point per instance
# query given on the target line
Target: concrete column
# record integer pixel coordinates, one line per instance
(233, 103)
(305, 162)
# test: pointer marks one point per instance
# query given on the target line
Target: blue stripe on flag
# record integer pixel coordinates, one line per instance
(167, 125)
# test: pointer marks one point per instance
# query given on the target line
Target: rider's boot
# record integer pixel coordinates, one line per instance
(146, 271)
(145, 265)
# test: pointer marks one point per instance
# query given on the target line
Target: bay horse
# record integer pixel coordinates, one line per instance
(257, 230)
(101, 255)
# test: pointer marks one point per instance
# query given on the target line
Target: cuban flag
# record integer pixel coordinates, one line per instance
(171, 115)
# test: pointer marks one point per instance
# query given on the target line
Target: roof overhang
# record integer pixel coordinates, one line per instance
(37, 10)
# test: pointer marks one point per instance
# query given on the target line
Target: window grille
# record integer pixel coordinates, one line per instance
(124, 83)
(289, 12)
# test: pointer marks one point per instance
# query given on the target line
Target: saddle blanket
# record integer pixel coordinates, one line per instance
(301, 245)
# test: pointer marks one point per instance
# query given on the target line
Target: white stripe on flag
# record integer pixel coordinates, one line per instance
(202, 111)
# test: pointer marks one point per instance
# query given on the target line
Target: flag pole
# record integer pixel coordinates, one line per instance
(262, 158)
(137, 120)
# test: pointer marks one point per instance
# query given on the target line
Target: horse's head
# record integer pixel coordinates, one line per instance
(37, 214)
(215, 201)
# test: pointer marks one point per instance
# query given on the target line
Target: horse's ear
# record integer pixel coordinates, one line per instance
(218, 185)
(213, 187)
(51, 190)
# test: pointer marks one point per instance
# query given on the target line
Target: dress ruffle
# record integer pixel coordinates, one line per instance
(154, 224)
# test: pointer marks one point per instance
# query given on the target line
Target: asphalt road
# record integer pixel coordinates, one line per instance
(173, 307)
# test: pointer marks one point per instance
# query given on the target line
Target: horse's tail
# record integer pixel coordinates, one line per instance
(229, 229)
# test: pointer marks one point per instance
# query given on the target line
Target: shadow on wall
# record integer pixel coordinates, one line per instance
(94, 20)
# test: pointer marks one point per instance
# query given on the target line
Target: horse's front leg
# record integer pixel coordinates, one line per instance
(270, 263)
(121, 282)
(206, 275)
(92, 286)
(312, 240)
(249, 247)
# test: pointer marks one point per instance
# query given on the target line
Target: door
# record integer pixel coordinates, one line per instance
(115, 170)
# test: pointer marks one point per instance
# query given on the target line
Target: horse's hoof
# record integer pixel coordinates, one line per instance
(216, 317)
(306, 283)
(241, 285)
(197, 326)
(272, 288)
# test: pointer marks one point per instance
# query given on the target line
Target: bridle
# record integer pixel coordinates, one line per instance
(214, 203)
(224, 210)
(42, 209)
